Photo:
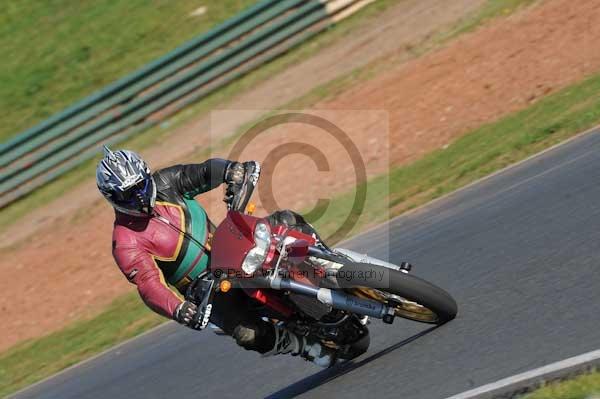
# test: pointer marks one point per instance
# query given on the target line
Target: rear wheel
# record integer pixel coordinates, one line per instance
(411, 297)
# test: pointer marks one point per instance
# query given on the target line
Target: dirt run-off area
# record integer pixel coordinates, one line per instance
(411, 108)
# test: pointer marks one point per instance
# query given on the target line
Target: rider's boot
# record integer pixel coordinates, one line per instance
(296, 345)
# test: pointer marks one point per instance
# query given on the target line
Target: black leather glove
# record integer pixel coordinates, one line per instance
(235, 173)
(234, 178)
(196, 310)
(186, 313)
(241, 179)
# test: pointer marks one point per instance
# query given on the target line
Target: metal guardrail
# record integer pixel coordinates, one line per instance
(190, 72)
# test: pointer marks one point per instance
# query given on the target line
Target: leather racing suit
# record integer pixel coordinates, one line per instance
(168, 249)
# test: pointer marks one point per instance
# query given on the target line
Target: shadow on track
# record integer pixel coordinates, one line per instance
(327, 375)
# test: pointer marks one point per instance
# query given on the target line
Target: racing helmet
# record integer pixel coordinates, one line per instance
(124, 179)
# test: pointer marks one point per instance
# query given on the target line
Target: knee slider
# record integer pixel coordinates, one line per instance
(244, 336)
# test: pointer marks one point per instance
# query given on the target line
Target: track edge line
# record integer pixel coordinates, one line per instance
(525, 382)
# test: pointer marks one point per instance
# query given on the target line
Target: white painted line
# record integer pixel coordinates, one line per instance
(530, 378)
(341, 9)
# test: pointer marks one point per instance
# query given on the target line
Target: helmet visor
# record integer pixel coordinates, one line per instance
(136, 197)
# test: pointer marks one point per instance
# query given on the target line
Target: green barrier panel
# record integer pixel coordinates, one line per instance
(210, 69)
(146, 82)
(22, 191)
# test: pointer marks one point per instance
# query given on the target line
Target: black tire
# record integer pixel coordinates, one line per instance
(402, 284)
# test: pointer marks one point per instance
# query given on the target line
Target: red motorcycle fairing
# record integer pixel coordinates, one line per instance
(232, 241)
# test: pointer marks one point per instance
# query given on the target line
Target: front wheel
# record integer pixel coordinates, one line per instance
(411, 297)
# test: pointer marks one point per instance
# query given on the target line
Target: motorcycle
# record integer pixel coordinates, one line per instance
(315, 291)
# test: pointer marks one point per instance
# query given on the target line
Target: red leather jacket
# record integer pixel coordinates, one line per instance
(154, 250)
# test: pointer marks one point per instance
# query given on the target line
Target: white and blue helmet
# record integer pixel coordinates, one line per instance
(125, 181)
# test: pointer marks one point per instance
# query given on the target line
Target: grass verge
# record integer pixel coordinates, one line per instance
(33, 360)
(585, 386)
(80, 47)
(479, 153)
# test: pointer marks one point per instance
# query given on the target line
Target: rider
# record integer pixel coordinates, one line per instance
(161, 242)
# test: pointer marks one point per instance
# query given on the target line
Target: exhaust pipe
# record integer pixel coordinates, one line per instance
(336, 299)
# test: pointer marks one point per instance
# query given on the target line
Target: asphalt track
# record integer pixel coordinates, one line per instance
(520, 252)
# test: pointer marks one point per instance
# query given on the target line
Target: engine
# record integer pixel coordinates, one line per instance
(310, 306)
